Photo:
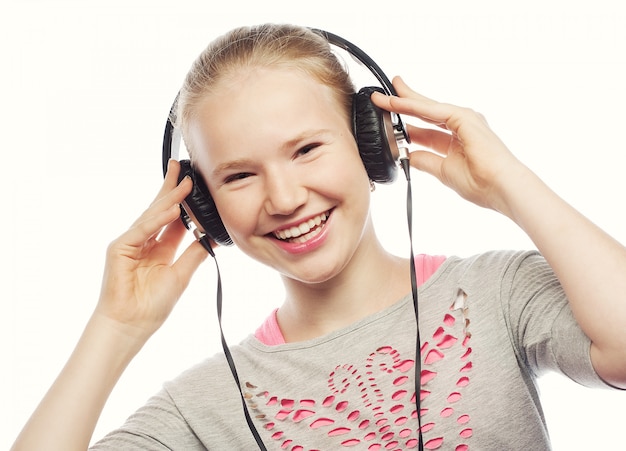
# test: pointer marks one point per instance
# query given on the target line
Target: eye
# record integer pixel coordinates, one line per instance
(307, 149)
(238, 176)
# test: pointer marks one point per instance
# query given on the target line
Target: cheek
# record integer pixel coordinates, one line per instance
(347, 162)
(349, 174)
(237, 214)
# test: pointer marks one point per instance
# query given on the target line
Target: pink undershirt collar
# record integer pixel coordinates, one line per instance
(269, 332)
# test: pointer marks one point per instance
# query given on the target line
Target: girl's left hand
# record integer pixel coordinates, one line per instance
(468, 157)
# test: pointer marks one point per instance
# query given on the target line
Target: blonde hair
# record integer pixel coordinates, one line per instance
(267, 45)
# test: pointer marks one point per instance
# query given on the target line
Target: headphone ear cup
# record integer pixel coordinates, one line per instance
(370, 132)
(203, 210)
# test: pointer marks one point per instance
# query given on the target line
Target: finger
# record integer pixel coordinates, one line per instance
(143, 233)
(170, 182)
(168, 241)
(173, 170)
(417, 106)
(439, 141)
(189, 261)
(410, 102)
(464, 124)
(427, 162)
(167, 197)
(148, 226)
(404, 90)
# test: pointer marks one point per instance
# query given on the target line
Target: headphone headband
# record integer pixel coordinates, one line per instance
(360, 56)
(172, 138)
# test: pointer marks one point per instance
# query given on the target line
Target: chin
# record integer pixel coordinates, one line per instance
(312, 274)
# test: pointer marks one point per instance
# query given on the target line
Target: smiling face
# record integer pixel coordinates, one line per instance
(279, 158)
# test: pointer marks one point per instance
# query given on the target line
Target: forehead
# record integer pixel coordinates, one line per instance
(269, 85)
(261, 108)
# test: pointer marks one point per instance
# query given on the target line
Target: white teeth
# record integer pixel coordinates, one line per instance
(301, 230)
(308, 236)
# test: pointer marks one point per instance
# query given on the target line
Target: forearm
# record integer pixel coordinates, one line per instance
(590, 265)
(66, 417)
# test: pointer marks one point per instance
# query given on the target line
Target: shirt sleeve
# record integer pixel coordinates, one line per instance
(156, 426)
(541, 324)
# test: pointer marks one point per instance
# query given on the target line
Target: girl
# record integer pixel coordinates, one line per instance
(266, 114)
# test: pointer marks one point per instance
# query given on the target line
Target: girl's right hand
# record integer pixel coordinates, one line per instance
(142, 280)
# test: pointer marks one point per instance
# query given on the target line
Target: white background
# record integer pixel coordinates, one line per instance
(85, 89)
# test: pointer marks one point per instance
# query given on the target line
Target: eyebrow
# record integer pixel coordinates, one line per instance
(232, 165)
(247, 162)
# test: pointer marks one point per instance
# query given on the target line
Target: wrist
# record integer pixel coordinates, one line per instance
(517, 188)
(119, 340)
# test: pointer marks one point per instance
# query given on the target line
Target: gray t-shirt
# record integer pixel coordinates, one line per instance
(489, 325)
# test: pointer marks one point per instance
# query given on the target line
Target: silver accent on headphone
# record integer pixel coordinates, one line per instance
(403, 149)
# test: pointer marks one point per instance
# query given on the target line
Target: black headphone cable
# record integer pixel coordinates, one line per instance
(204, 241)
(404, 162)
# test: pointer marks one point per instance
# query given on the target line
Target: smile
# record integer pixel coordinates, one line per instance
(304, 231)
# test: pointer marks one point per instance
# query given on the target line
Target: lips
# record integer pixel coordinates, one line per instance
(303, 231)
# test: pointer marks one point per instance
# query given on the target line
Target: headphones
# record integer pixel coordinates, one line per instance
(379, 136)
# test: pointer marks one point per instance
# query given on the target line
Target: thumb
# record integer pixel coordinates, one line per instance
(189, 261)
(426, 161)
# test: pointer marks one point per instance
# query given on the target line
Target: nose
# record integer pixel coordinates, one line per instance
(284, 193)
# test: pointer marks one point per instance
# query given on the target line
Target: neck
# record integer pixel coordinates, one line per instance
(373, 280)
